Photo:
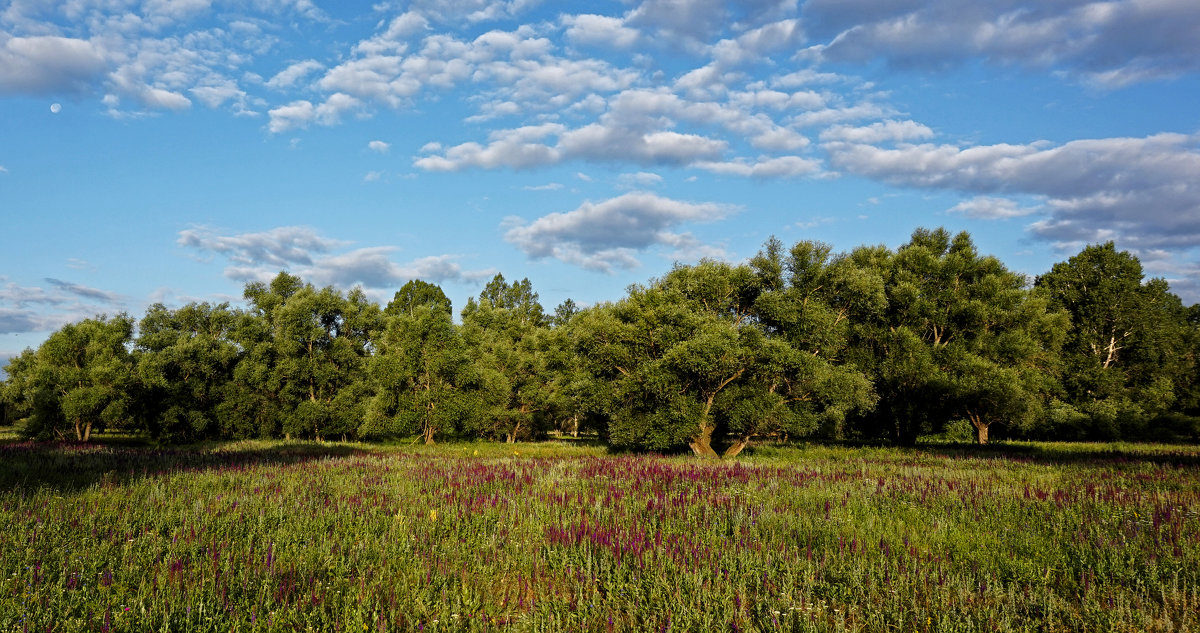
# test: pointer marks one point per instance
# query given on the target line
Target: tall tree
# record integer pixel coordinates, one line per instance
(185, 360)
(424, 380)
(506, 331)
(1127, 352)
(322, 341)
(690, 361)
(958, 336)
(80, 379)
(418, 293)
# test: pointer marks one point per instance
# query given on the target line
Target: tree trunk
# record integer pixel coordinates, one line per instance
(702, 443)
(737, 447)
(83, 431)
(981, 428)
(428, 434)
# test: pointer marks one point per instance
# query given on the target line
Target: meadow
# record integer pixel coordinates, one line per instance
(292, 536)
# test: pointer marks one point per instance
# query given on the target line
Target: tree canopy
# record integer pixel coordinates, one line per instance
(873, 344)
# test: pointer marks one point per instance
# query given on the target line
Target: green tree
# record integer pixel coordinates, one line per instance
(957, 336)
(690, 360)
(1127, 354)
(424, 380)
(80, 379)
(322, 342)
(507, 333)
(185, 360)
(304, 357)
(417, 293)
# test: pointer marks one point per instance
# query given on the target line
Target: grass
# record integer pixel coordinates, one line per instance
(292, 536)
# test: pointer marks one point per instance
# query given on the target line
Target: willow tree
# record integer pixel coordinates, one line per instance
(78, 381)
(958, 336)
(322, 343)
(185, 361)
(507, 333)
(1128, 353)
(423, 378)
(692, 363)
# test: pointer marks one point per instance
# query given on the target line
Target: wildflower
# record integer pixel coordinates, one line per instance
(433, 515)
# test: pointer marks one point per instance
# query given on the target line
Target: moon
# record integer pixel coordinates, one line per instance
(55, 108)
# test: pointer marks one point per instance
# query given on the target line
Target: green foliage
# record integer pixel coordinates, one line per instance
(416, 293)
(79, 380)
(185, 361)
(424, 381)
(955, 336)
(714, 350)
(1130, 354)
(507, 334)
(304, 359)
(871, 345)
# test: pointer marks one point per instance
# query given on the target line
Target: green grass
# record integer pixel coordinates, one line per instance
(283, 536)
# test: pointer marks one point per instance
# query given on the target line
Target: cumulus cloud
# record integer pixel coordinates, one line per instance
(517, 148)
(379, 146)
(47, 64)
(639, 180)
(1112, 43)
(299, 114)
(637, 127)
(607, 235)
(291, 75)
(599, 30)
(778, 167)
(1140, 190)
(278, 247)
(991, 208)
(319, 259)
(878, 132)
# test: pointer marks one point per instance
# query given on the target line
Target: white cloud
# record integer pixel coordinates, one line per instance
(599, 30)
(25, 309)
(221, 91)
(1113, 43)
(49, 64)
(606, 235)
(778, 167)
(1136, 189)
(379, 146)
(289, 76)
(85, 292)
(281, 247)
(299, 114)
(639, 180)
(878, 132)
(515, 149)
(304, 252)
(990, 208)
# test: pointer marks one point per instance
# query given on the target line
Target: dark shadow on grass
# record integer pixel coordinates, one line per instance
(1181, 455)
(75, 466)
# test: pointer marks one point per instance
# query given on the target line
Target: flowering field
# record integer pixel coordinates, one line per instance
(290, 536)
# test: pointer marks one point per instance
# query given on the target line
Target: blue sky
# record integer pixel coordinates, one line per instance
(174, 150)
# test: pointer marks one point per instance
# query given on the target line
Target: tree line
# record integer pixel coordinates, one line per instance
(870, 345)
